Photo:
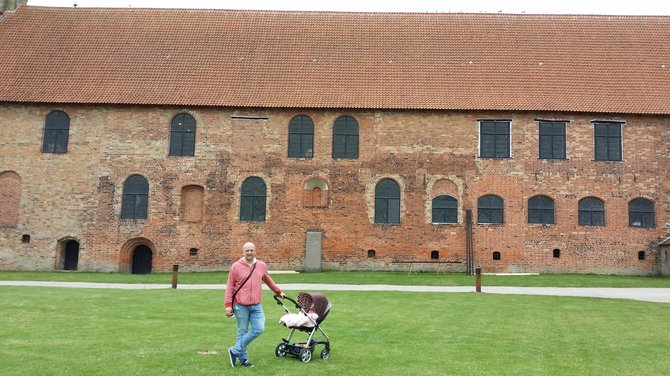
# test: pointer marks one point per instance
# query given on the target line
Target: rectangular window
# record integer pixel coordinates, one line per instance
(607, 138)
(494, 138)
(552, 140)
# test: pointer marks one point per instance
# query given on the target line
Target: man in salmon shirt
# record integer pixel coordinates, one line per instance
(244, 287)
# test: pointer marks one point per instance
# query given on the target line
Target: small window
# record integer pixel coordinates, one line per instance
(182, 135)
(193, 251)
(490, 209)
(56, 132)
(641, 255)
(552, 140)
(434, 255)
(134, 202)
(496, 255)
(387, 202)
(301, 137)
(494, 139)
(607, 138)
(25, 238)
(445, 209)
(641, 213)
(253, 200)
(591, 212)
(372, 253)
(345, 138)
(541, 210)
(557, 253)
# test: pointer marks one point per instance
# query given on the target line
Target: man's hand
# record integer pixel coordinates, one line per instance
(229, 311)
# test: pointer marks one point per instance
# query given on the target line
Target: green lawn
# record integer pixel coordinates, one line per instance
(57, 331)
(391, 278)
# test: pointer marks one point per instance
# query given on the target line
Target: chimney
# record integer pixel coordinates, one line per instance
(10, 5)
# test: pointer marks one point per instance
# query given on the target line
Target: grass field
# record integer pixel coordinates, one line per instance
(391, 278)
(57, 331)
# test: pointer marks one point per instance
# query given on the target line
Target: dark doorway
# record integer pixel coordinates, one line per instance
(142, 260)
(71, 258)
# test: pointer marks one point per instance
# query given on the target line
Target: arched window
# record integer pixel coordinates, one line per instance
(135, 199)
(56, 132)
(445, 209)
(345, 138)
(591, 212)
(490, 209)
(301, 137)
(182, 135)
(192, 203)
(541, 210)
(253, 200)
(641, 213)
(387, 202)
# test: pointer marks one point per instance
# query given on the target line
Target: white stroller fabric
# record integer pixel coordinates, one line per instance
(293, 320)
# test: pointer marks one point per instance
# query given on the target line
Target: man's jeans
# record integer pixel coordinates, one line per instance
(246, 315)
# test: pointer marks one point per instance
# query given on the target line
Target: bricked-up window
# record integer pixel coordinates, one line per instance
(253, 199)
(607, 138)
(591, 212)
(345, 138)
(10, 194)
(445, 209)
(192, 203)
(56, 132)
(182, 135)
(552, 140)
(387, 202)
(301, 137)
(135, 200)
(494, 138)
(541, 210)
(490, 209)
(641, 213)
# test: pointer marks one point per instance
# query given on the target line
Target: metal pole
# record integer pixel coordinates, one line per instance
(469, 257)
(175, 270)
(478, 272)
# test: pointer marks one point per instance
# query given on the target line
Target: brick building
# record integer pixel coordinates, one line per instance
(135, 139)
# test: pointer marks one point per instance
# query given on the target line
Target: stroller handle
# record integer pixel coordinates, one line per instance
(278, 299)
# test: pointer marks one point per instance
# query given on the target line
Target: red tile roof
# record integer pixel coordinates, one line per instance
(607, 64)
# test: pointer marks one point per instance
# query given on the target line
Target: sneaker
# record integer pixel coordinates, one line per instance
(232, 357)
(246, 363)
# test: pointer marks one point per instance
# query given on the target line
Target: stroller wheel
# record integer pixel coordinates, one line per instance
(281, 349)
(325, 354)
(305, 355)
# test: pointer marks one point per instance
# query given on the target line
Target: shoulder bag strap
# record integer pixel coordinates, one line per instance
(245, 281)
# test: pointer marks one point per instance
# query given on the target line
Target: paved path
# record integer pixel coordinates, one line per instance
(660, 295)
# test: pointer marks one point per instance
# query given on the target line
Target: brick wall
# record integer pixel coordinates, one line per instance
(77, 195)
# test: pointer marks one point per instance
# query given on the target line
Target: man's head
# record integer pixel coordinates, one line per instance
(249, 251)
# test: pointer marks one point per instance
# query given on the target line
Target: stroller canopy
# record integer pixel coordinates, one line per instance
(315, 301)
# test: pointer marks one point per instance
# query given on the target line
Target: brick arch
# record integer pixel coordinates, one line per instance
(61, 248)
(315, 192)
(10, 197)
(126, 254)
(192, 203)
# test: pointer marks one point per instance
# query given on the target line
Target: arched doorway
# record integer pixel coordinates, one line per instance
(141, 263)
(70, 255)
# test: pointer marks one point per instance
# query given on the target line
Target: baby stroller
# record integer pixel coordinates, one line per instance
(313, 308)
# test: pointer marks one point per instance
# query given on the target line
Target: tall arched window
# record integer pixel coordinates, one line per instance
(345, 138)
(387, 202)
(56, 132)
(591, 212)
(445, 209)
(301, 137)
(134, 202)
(541, 210)
(253, 200)
(182, 135)
(490, 209)
(641, 213)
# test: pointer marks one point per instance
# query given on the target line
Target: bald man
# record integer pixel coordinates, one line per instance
(243, 299)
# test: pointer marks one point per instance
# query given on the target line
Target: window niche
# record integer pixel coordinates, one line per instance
(315, 193)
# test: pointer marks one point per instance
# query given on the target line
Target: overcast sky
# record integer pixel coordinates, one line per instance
(613, 7)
